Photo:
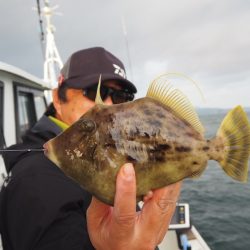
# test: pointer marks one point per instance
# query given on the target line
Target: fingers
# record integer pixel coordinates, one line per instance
(120, 227)
(125, 197)
(97, 209)
(166, 195)
(97, 212)
(158, 211)
(168, 206)
(148, 196)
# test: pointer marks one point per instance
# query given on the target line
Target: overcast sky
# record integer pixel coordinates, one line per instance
(208, 40)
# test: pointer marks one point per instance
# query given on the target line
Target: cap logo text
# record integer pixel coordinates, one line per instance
(119, 71)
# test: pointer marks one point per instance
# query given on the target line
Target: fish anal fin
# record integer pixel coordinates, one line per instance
(196, 174)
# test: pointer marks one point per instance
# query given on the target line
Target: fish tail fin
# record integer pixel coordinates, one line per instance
(235, 134)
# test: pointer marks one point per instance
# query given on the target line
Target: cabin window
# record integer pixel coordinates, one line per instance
(30, 106)
(40, 105)
(26, 112)
(2, 141)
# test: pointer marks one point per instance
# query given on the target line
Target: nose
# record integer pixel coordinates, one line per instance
(108, 101)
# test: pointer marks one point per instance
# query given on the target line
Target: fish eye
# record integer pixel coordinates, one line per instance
(87, 125)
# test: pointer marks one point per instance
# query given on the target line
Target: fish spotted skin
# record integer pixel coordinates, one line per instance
(160, 134)
(163, 147)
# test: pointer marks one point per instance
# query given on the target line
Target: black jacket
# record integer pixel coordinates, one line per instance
(41, 208)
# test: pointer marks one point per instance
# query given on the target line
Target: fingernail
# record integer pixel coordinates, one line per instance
(128, 171)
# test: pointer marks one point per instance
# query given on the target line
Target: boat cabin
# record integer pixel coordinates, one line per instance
(22, 103)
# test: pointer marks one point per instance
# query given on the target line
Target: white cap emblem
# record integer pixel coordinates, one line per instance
(119, 71)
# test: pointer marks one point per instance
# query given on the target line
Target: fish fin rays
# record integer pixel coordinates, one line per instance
(162, 90)
(235, 133)
(197, 174)
(98, 98)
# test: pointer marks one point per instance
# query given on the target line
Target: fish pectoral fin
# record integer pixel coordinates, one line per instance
(161, 90)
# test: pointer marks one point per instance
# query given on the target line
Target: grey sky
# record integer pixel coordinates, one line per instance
(208, 40)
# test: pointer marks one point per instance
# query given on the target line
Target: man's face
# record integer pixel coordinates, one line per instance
(77, 104)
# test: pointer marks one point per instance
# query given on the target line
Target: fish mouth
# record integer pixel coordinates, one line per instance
(49, 152)
(46, 151)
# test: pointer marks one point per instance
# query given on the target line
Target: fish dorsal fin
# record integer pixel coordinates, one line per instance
(162, 90)
(98, 98)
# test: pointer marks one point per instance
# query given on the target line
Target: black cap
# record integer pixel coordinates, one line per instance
(84, 68)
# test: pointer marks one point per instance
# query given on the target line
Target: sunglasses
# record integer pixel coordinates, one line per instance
(117, 95)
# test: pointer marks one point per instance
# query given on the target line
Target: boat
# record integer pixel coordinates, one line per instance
(183, 240)
(23, 96)
(23, 100)
(22, 103)
(182, 235)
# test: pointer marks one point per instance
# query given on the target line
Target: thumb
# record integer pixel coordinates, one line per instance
(125, 197)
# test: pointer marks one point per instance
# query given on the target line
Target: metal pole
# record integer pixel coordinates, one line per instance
(53, 62)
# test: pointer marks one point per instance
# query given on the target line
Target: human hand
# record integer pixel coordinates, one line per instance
(121, 227)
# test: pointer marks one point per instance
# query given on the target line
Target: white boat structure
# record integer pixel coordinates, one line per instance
(193, 240)
(23, 100)
(22, 95)
(22, 103)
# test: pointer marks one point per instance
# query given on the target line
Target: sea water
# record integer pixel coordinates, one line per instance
(219, 206)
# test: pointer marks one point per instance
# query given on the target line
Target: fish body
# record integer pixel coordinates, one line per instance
(163, 146)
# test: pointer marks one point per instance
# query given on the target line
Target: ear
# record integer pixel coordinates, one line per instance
(57, 103)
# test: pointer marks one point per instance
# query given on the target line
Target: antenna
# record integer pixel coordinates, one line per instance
(127, 47)
(53, 62)
(40, 19)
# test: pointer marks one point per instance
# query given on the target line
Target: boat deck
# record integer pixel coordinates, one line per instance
(170, 241)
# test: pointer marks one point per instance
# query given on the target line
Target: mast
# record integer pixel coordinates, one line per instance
(53, 62)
